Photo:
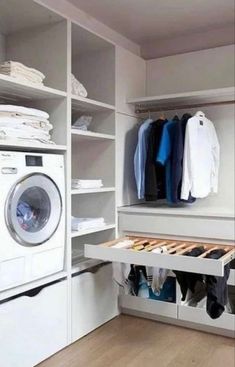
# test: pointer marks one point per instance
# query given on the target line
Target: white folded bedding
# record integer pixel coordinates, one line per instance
(80, 224)
(17, 69)
(20, 122)
(77, 87)
(24, 110)
(86, 184)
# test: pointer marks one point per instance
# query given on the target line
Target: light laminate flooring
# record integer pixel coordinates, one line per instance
(128, 341)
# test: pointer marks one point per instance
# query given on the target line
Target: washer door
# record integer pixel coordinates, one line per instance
(33, 210)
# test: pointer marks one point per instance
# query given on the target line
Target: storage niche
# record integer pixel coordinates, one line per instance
(93, 64)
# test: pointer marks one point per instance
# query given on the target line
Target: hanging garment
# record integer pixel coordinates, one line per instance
(188, 281)
(164, 154)
(217, 289)
(154, 172)
(157, 276)
(201, 158)
(140, 157)
(121, 272)
(177, 160)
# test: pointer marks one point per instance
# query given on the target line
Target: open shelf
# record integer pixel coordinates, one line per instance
(183, 100)
(25, 146)
(92, 230)
(92, 191)
(11, 89)
(90, 135)
(89, 105)
(31, 285)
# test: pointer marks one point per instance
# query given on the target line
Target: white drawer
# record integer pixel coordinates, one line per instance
(149, 306)
(182, 226)
(200, 316)
(168, 261)
(94, 299)
(33, 328)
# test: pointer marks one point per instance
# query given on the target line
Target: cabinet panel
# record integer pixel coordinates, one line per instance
(130, 79)
(33, 327)
(200, 227)
(94, 300)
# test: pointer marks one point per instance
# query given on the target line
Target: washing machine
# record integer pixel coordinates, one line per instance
(32, 216)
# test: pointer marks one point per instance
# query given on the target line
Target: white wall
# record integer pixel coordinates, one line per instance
(70, 11)
(207, 69)
(2, 48)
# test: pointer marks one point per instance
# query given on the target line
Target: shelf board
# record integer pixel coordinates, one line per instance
(183, 100)
(13, 90)
(31, 285)
(85, 264)
(92, 191)
(90, 135)
(189, 211)
(92, 230)
(31, 146)
(89, 105)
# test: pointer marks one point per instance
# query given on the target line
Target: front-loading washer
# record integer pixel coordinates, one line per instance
(32, 216)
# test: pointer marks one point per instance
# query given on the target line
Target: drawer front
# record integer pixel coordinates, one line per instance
(149, 306)
(94, 300)
(200, 316)
(220, 229)
(172, 261)
(33, 328)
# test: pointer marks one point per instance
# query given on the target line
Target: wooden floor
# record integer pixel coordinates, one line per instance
(133, 342)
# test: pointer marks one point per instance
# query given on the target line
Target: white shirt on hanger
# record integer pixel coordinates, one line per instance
(201, 158)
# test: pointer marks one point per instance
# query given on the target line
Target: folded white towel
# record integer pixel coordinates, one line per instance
(78, 88)
(20, 122)
(24, 110)
(86, 184)
(80, 224)
(21, 72)
(23, 133)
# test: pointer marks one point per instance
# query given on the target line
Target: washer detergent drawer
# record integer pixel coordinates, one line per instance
(33, 327)
(94, 299)
(173, 259)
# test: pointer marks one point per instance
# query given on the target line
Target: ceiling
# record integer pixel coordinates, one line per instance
(149, 22)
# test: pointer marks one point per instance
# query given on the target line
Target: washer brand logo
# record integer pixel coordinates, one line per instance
(5, 155)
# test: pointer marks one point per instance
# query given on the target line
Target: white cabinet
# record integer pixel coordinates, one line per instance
(94, 299)
(33, 327)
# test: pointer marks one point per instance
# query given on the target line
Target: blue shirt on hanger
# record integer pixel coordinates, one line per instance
(165, 152)
(140, 157)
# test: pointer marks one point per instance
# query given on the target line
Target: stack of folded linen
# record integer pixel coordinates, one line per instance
(83, 224)
(24, 124)
(86, 184)
(21, 72)
(78, 88)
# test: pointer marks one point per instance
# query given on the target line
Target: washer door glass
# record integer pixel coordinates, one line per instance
(33, 210)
